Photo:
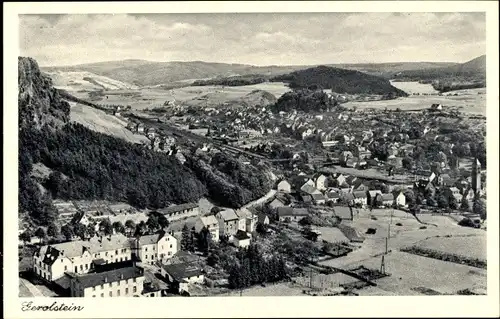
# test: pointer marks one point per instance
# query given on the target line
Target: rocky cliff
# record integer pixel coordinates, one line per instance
(39, 103)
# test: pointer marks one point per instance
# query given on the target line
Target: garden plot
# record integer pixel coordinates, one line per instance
(409, 272)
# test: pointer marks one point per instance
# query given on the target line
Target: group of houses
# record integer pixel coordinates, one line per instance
(337, 189)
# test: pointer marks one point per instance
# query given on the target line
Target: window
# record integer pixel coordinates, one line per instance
(126, 291)
(116, 252)
(118, 293)
(146, 249)
(86, 266)
(134, 281)
(134, 289)
(152, 294)
(61, 260)
(161, 246)
(170, 253)
(102, 286)
(121, 258)
(65, 268)
(106, 253)
(93, 296)
(111, 294)
(102, 295)
(145, 256)
(170, 245)
(81, 267)
(93, 289)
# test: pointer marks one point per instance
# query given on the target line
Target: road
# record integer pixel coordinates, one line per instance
(32, 288)
(261, 200)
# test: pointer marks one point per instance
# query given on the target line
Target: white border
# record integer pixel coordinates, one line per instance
(438, 306)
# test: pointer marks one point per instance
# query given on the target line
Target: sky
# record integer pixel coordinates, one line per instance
(251, 38)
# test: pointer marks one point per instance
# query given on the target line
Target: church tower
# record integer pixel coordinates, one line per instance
(476, 176)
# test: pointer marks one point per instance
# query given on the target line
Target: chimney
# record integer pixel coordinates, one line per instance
(121, 276)
(106, 279)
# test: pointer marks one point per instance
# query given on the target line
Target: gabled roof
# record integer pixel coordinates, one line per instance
(359, 194)
(290, 211)
(209, 220)
(96, 279)
(318, 196)
(241, 235)
(177, 208)
(386, 197)
(179, 272)
(227, 215)
(308, 189)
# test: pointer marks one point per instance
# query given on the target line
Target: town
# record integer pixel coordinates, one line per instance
(241, 180)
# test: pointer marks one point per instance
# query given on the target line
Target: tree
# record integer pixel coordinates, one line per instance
(130, 226)
(152, 223)
(442, 201)
(163, 221)
(410, 197)
(105, 226)
(141, 229)
(40, 233)
(479, 208)
(453, 202)
(25, 236)
(118, 227)
(80, 230)
(464, 204)
(204, 239)
(67, 232)
(91, 230)
(186, 239)
(407, 163)
(215, 210)
(52, 230)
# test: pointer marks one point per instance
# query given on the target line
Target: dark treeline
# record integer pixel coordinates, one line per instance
(252, 268)
(228, 181)
(305, 100)
(340, 81)
(233, 81)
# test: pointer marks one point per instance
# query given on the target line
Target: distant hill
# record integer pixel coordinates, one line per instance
(84, 80)
(149, 73)
(340, 81)
(473, 70)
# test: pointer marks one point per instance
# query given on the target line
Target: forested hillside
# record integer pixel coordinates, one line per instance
(89, 165)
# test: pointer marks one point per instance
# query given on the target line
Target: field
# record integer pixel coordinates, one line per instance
(414, 87)
(74, 81)
(468, 101)
(469, 246)
(100, 121)
(211, 96)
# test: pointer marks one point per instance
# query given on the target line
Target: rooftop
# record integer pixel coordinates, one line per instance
(96, 279)
(227, 214)
(183, 270)
(290, 211)
(178, 208)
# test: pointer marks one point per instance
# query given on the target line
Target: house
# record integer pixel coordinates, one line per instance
(347, 198)
(385, 199)
(284, 186)
(306, 198)
(140, 128)
(350, 180)
(399, 199)
(249, 219)
(291, 214)
(228, 222)
(276, 202)
(371, 195)
(321, 182)
(333, 197)
(310, 190)
(182, 274)
(341, 179)
(181, 211)
(436, 107)
(359, 186)
(263, 219)
(50, 262)
(360, 198)
(151, 248)
(121, 282)
(241, 239)
(318, 199)
(209, 222)
(343, 212)
(153, 286)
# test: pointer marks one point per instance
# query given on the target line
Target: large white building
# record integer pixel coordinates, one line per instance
(152, 248)
(52, 261)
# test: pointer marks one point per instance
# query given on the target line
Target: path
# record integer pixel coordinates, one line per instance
(261, 200)
(32, 288)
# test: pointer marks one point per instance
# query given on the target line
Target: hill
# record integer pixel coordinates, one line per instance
(256, 98)
(149, 73)
(340, 81)
(471, 74)
(83, 80)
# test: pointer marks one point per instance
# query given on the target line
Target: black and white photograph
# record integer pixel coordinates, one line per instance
(253, 154)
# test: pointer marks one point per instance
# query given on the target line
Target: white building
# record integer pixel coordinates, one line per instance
(151, 248)
(211, 223)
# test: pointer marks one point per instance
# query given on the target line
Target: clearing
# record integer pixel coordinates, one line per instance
(467, 246)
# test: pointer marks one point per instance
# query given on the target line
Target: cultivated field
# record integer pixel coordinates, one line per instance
(212, 96)
(467, 246)
(468, 101)
(100, 121)
(74, 81)
(414, 87)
